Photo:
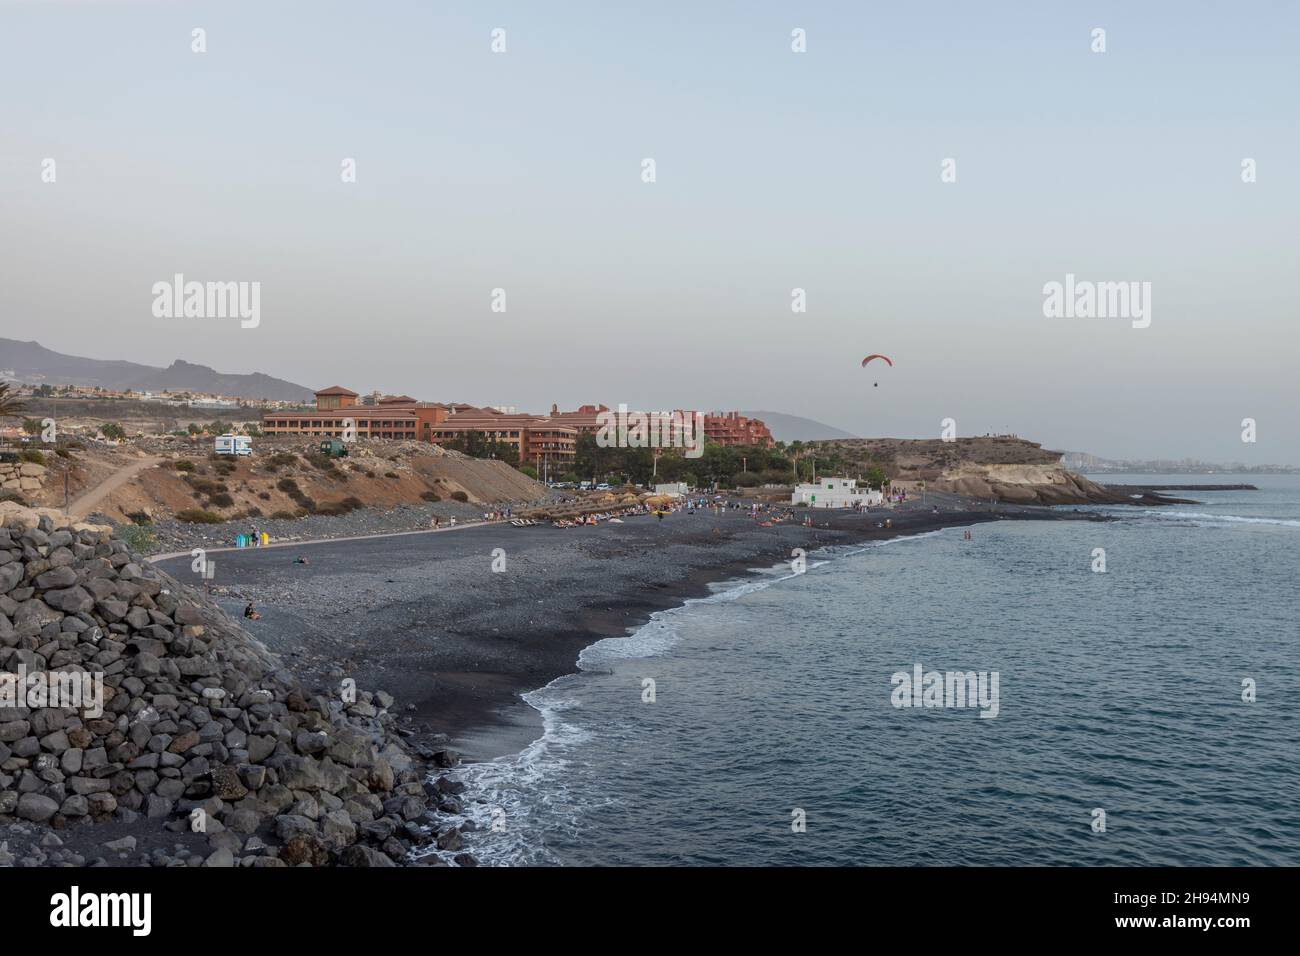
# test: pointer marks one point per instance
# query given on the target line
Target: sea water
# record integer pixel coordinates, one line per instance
(1148, 713)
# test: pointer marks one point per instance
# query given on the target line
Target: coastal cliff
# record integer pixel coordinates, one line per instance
(1003, 467)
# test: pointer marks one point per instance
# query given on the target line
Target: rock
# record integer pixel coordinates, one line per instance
(70, 600)
(63, 577)
(338, 830)
(451, 840)
(222, 857)
(309, 743)
(357, 855)
(36, 807)
(304, 848)
(227, 785)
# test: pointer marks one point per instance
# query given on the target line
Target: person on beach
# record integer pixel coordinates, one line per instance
(250, 613)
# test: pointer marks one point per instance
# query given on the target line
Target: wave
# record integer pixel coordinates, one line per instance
(1199, 516)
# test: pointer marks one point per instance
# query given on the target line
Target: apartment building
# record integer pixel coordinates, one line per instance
(539, 441)
(338, 415)
(733, 428)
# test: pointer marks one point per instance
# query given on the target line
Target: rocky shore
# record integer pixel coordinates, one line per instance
(141, 725)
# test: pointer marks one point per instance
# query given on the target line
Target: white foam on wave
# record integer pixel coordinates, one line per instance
(1201, 516)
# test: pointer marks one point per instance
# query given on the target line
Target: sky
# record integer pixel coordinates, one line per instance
(775, 170)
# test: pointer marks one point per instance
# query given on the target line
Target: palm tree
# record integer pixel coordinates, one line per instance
(796, 452)
(10, 405)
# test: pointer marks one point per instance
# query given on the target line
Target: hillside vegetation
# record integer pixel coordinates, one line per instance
(291, 480)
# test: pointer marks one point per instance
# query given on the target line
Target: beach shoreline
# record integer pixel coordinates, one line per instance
(425, 618)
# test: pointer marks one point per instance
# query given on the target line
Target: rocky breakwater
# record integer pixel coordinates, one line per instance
(198, 733)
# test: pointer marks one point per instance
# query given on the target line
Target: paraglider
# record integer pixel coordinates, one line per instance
(885, 358)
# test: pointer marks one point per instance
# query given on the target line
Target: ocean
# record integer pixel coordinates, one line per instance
(770, 735)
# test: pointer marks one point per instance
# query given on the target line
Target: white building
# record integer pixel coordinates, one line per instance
(835, 493)
(677, 488)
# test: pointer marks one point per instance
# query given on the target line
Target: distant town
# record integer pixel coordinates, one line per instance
(546, 442)
(1092, 464)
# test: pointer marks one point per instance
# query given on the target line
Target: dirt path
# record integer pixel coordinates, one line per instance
(355, 537)
(87, 502)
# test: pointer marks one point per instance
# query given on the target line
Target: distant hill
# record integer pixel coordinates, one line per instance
(34, 364)
(793, 428)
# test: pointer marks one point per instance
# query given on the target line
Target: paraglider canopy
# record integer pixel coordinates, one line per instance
(875, 355)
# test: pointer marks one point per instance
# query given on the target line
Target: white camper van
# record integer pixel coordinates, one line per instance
(233, 445)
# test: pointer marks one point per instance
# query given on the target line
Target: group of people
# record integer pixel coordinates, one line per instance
(596, 517)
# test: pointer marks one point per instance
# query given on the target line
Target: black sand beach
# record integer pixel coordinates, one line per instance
(424, 617)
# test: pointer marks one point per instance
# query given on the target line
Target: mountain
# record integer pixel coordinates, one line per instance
(793, 428)
(33, 364)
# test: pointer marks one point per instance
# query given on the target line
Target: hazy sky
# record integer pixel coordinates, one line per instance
(775, 170)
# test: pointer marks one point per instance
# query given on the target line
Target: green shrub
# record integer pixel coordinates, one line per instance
(283, 515)
(222, 500)
(208, 486)
(430, 496)
(136, 536)
(459, 496)
(337, 508)
(184, 464)
(391, 474)
(31, 455)
(264, 495)
(63, 453)
(140, 518)
(198, 516)
(288, 486)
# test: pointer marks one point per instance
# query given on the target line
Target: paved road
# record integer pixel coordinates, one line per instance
(88, 501)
